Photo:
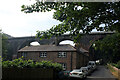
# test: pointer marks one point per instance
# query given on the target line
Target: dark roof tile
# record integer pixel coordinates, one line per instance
(48, 48)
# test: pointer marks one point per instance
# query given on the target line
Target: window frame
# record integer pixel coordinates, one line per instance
(62, 54)
(43, 54)
(64, 66)
(24, 54)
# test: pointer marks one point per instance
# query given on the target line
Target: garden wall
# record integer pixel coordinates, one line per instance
(28, 73)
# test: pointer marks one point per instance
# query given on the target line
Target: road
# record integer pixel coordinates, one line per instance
(101, 73)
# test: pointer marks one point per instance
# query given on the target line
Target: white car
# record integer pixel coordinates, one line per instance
(87, 70)
(92, 64)
(97, 61)
(77, 73)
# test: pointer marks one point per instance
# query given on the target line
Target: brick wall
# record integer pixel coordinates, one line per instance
(79, 60)
(53, 56)
(73, 60)
(82, 60)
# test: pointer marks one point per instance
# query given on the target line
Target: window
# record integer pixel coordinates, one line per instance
(43, 54)
(62, 54)
(24, 54)
(64, 66)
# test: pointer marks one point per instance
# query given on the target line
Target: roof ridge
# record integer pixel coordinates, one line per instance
(48, 48)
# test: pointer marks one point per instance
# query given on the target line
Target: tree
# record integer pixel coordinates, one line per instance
(4, 45)
(108, 48)
(78, 16)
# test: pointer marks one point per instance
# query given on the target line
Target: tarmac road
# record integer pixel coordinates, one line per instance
(101, 73)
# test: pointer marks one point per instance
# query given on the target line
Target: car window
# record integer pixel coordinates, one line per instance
(89, 64)
(81, 70)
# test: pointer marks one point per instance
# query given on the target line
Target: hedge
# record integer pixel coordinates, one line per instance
(117, 64)
(21, 63)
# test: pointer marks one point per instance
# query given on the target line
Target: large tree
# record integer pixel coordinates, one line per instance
(4, 45)
(108, 48)
(77, 17)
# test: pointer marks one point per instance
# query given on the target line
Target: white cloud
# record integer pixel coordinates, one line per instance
(67, 42)
(17, 23)
(34, 43)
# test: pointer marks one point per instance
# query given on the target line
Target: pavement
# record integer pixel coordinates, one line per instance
(101, 73)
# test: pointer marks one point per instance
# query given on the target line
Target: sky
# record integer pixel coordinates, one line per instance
(19, 24)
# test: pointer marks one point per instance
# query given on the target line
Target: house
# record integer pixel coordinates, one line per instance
(66, 55)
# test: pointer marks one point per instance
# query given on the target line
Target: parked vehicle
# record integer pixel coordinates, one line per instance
(87, 70)
(99, 61)
(63, 74)
(77, 73)
(90, 68)
(92, 64)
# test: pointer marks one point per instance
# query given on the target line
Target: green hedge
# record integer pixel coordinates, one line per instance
(21, 63)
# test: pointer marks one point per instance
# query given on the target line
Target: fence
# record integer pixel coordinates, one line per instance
(28, 73)
(115, 71)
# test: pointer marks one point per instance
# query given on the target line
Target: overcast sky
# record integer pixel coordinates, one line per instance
(17, 23)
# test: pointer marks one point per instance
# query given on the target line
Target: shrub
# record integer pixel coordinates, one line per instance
(117, 64)
(20, 63)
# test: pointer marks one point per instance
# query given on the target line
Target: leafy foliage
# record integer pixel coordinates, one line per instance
(117, 64)
(4, 45)
(20, 63)
(109, 47)
(78, 16)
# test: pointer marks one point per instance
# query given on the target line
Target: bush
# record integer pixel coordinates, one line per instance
(20, 63)
(117, 64)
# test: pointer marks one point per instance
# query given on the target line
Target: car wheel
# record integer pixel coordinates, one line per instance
(84, 76)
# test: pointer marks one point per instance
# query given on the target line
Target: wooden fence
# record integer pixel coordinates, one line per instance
(115, 71)
(28, 73)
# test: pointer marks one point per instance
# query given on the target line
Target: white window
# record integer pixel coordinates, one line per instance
(64, 66)
(43, 54)
(24, 54)
(62, 54)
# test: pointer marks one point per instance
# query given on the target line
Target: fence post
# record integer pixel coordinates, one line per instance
(119, 74)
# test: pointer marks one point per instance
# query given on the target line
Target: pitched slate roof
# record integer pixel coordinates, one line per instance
(48, 48)
(83, 50)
